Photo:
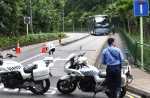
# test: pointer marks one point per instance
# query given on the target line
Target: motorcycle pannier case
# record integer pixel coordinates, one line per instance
(41, 73)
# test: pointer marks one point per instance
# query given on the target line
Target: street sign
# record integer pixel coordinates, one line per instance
(141, 8)
(27, 20)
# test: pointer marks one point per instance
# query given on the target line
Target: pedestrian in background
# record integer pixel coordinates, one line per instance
(112, 57)
(113, 29)
(127, 53)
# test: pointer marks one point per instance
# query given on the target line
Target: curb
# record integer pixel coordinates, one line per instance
(70, 42)
(138, 91)
(99, 57)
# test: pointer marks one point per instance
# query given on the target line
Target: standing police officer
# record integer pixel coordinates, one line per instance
(113, 28)
(112, 57)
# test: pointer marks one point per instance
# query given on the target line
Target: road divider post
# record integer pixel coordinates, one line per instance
(44, 48)
(18, 50)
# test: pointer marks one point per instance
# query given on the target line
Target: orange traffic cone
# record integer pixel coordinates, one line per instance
(18, 50)
(44, 48)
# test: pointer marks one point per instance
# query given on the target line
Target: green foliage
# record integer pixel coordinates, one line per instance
(121, 12)
(47, 16)
(30, 39)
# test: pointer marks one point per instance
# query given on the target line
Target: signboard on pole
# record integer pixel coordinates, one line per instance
(27, 20)
(141, 8)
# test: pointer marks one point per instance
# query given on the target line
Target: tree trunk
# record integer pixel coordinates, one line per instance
(81, 26)
(73, 27)
(125, 26)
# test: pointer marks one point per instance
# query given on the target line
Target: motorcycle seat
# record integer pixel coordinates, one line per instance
(30, 69)
(102, 74)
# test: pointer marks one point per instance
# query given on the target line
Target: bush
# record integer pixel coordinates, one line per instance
(30, 39)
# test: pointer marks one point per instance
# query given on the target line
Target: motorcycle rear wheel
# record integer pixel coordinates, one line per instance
(65, 87)
(44, 87)
(123, 92)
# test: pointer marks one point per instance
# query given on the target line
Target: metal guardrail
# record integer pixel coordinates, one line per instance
(134, 50)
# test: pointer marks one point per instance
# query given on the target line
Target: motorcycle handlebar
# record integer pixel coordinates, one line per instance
(82, 54)
(10, 55)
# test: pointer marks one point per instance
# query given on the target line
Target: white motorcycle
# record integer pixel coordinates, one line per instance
(47, 61)
(88, 78)
(13, 75)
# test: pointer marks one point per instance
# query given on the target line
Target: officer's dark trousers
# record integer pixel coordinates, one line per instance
(114, 80)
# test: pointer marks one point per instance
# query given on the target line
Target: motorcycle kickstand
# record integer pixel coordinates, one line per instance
(94, 95)
(19, 90)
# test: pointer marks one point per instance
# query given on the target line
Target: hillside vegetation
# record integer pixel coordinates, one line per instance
(47, 15)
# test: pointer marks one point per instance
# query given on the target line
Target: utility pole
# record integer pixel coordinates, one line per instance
(141, 30)
(31, 16)
(63, 16)
(141, 8)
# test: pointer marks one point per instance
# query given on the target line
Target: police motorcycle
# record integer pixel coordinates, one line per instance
(88, 78)
(13, 75)
(47, 61)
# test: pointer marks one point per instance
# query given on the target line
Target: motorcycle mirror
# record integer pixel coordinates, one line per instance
(50, 52)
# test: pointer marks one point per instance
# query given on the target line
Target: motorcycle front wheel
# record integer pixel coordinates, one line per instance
(123, 92)
(40, 87)
(66, 87)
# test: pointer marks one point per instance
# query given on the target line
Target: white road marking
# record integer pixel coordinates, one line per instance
(56, 59)
(1, 86)
(16, 89)
(51, 91)
(25, 91)
(65, 59)
(54, 88)
(31, 58)
(71, 55)
(10, 90)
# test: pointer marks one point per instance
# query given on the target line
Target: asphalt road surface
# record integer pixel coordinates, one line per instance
(33, 53)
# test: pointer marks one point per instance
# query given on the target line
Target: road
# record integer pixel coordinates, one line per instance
(33, 53)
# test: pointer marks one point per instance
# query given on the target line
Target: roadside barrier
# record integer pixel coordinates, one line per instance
(134, 50)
